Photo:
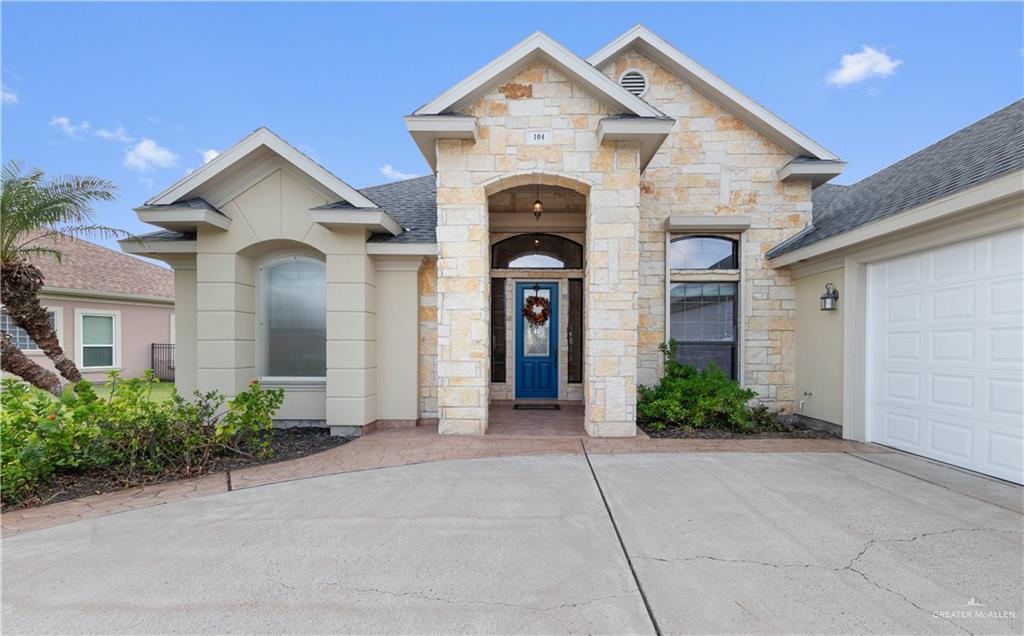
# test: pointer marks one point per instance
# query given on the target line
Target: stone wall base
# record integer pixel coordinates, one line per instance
(610, 429)
(462, 427)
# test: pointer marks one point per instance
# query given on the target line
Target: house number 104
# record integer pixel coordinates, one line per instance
(538, 138)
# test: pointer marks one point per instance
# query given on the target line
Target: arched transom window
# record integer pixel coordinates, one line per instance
(537, 251)
(292, 318)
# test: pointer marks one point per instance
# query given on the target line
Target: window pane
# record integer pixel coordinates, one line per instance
(539, 251)
(294, 305)
(498, 330)
(98, 330)
(536, 338)
(98, 356)
(575, 331)
(19, 337)
(702, 252)
(703, 322)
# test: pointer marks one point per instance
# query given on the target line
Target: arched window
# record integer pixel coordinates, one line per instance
(537, 251)
(703, 252)
(292, 318)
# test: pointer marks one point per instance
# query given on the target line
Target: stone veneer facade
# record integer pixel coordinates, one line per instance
(607, 174)
(713, 163)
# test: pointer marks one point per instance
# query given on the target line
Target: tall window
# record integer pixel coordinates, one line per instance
(99, 338)
(293, 318)
(703, 301)
(537, 251)
(19, 337)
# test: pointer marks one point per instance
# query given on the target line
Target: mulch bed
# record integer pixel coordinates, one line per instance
(288, 443)
(797, 432)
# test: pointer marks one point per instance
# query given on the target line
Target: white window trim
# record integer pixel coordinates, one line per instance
(58, 327)
(261, 266)
(79, 339)
(675, 276)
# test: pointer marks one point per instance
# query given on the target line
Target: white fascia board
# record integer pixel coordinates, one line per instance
(183, 219)
(427, 129)
(258, 138)
(537, 45)
(649, 133)
(818, 172)
(401, 249)
(1003, 187)
(373, 220)
(709, 223)
(141, 247)
(757, 116)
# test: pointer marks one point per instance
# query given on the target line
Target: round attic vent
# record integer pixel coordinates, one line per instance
(635, 82)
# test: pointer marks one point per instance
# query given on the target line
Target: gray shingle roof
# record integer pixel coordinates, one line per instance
(194, 204)
(413, 203)
(989, 148)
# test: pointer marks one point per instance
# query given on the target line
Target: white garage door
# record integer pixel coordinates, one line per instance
(945, 366)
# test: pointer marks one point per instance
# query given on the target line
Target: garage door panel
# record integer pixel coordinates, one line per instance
(1004, 453)
(952, 440)
(1006, 345)
(946, 354)
(952, 345)
(953, 391)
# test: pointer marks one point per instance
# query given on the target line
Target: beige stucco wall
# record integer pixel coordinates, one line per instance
(271, 217)
(398, 338)
(819, 350)
(607, 174)
(714, 164)
(141, 324)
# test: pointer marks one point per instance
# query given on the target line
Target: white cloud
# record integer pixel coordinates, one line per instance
(388, 171)
(70, 129)
(7, 95)
(147, 183)
(857, 67)
(146, 155)
(118, 134)
(209, 155)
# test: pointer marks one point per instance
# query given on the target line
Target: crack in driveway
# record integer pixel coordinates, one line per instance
(849, 567)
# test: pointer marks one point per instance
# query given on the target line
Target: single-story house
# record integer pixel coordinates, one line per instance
(580, 212)
(111, 311)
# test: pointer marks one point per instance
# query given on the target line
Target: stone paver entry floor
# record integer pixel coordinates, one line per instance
(594, 542)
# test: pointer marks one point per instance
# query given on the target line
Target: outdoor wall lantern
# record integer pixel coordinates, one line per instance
(830, 299)
(538, 206)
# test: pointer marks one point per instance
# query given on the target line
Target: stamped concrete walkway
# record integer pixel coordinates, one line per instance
(611, 543)
(512, 433)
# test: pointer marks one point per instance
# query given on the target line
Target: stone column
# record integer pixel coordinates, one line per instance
(611, 303)
(463, 310)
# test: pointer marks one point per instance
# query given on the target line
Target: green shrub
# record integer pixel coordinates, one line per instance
(129, 434)
(686, 397)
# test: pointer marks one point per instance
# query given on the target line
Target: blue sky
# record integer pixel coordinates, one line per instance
(159, 84)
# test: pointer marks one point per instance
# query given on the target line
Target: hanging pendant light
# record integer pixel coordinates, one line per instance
(538, 206)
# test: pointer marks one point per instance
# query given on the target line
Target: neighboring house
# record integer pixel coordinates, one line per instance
(109, 310)
(634, 191)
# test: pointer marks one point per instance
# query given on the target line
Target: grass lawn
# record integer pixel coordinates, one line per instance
(161, 391)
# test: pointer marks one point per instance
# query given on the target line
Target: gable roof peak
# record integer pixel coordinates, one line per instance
(261, 137)
(714, 87)
(537, 45)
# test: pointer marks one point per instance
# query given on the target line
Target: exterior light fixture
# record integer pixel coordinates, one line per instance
(538, 206)
(830, 299)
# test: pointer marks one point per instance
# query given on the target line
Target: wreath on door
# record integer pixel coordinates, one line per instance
(537, 310)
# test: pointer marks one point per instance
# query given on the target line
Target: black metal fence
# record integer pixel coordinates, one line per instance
(161, 360)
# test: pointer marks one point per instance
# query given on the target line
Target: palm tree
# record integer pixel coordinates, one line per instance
(36, 215)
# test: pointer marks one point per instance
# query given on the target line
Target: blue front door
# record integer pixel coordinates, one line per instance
(536, 344)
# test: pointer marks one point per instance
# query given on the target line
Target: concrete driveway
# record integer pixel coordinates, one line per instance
(717, 543)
